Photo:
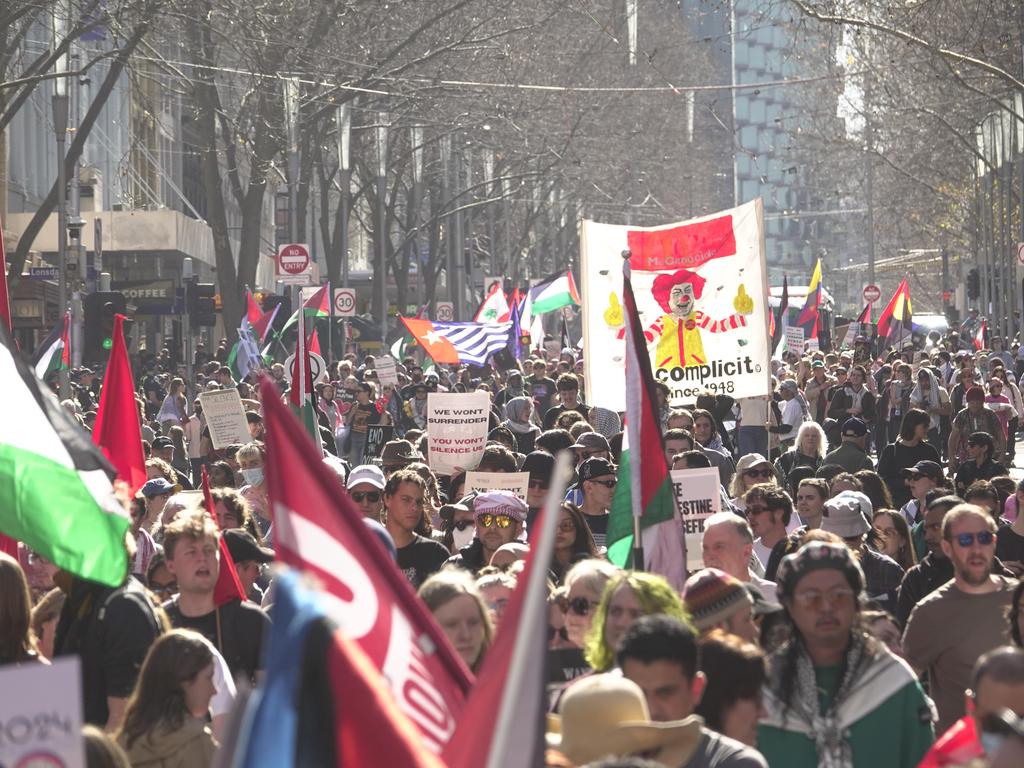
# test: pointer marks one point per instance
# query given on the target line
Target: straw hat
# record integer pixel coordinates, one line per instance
(606, 715)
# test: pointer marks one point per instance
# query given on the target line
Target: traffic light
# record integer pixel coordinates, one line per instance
(200, 303)
(99, 310)
(973, 284)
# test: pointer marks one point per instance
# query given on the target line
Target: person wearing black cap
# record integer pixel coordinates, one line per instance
(249, 556)
(597, 480)
(835, 696)
(980, 463)
(540, 465)
(163, 448)
(851, 454)
(921, 478)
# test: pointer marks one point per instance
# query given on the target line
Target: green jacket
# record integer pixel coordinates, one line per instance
(888, 718)
(849, 457)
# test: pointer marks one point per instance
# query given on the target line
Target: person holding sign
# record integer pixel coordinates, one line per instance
(418, 556)
(360, 416)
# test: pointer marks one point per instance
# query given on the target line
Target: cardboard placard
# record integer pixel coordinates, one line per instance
(41, 721)
(697, 499)
(225, 416)
(795, 339)
(376, 436)
(387, 373)
(457, 429)
(479, 482)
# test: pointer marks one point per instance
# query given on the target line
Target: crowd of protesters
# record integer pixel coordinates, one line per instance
(859, 604)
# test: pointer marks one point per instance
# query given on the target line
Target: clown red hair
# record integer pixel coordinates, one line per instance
(664, 283)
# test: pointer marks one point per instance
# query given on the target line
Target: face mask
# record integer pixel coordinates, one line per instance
(253, 476)
(462, 538)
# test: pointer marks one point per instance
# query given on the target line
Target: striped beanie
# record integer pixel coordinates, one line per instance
(712, 596)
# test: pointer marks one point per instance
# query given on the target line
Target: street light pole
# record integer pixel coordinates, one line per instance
(382, 193)
(60, 129)
(345, 180)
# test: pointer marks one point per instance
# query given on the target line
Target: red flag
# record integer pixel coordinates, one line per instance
(501, 726)
(117, 431)
(228, 586)
(316, 529)
(370, 729)
(314, 343)
(865, 315)
(253, 313)
(5, 304)
(979, 337)
(885, 320)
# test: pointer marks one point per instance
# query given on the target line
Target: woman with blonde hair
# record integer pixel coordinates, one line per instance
(17, 643)
(454, 599)
(165, 718)
(627, 597)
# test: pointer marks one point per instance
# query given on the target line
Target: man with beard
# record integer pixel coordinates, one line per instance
(499, 518)
(965, 617)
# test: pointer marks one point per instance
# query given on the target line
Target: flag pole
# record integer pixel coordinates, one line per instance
(638, 546)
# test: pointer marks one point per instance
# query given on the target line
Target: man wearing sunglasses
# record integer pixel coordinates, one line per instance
(597, 481)
(366, 487)
(965, 617)
(499, 517)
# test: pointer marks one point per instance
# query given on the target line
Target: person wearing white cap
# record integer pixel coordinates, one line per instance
(366, 488)
(499, 518)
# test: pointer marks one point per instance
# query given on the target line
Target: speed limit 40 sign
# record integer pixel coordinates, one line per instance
(344, 302)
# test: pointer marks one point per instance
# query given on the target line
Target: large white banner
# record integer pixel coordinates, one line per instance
(702, 292)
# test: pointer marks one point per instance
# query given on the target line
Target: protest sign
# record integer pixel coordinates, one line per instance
(225, 417)
(795, 339)
(41, 719)
(479, 482)
(811, 345)
(387, 373)
(702, 293)
(697, 499)
(376, 436)
(457, 426)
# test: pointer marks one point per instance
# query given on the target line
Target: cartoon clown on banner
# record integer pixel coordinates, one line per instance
(701, 289)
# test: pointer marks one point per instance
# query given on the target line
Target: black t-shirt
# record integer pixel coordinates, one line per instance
(598, 525)
(420, 558)
(541, 390)
(1009, 545)
(242, 626)
(112, 640)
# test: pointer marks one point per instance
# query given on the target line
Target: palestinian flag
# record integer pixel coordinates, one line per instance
(644, 495)
(56, 492)
(54, 354)
(301, 393)
(554, 293)
(315, 306)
